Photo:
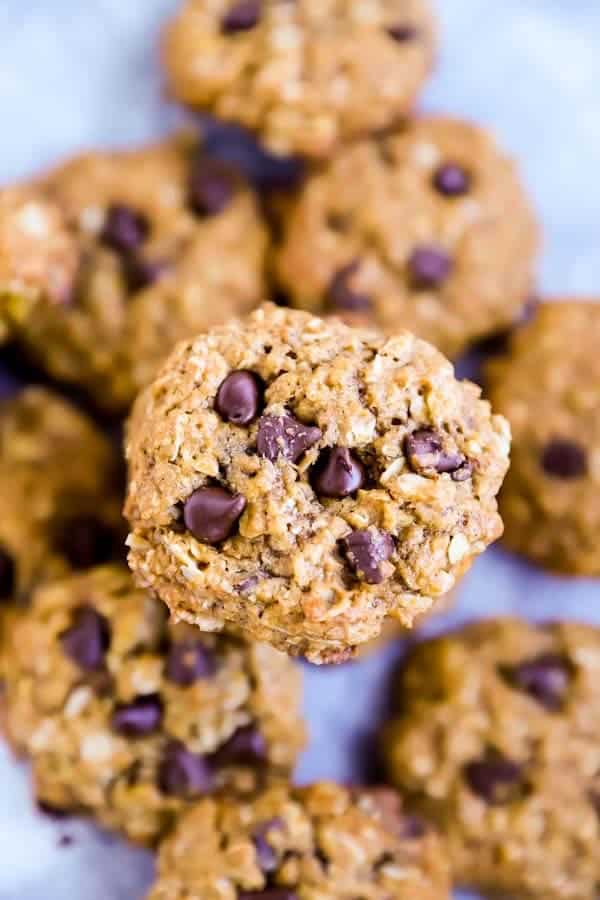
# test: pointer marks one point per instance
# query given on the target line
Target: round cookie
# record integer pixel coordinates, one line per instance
(61, 493)
(130, 718)
(305, 76)
(303, 480)
(288, 843)
(168, 242)
(426, 228)
(497, 742)
(548, 385)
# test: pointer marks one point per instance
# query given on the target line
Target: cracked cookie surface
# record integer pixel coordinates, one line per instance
(303, 480)
(129, 718)
(289, 843)
(497, 743)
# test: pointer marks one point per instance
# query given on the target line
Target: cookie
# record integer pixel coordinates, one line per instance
(304, 76)
(426, 228)
(288, 843)
(497, 742)
(61, 493)
(168, 242)
(548, 385)
(129, 718)
(304, 480)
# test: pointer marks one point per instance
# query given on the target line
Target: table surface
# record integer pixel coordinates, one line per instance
(76, 75)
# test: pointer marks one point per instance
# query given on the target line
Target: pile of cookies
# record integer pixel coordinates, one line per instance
(297, 475)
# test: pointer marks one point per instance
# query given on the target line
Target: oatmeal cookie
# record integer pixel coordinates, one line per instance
(426, 228)
(304, 76)
(497, 741)
(304, 480)
(130, 718)
(290, 843)
(548, 385)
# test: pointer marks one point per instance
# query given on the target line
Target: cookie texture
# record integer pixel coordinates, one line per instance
(129, 718)
(304, 480)
(167, 243)
(304, 76)
(548, 385)
(497, 742)
(426, 228)
(290, 843)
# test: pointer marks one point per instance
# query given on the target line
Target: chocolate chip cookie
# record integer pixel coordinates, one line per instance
(548, 385)
(167, 242)
(289, 843)
(305, 76)
(130, 718)
(303, 480)
(497, 741)
(426, 228)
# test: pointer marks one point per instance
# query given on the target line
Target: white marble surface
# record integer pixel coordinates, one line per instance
(76, 74)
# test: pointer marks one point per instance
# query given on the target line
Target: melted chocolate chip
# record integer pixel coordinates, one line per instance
(497, 780)
(7, 575)
(189, 661)
(87, 639)
(402, 33)
(452, 180)
(212, 513)
(125, 229)
(337, 473)
(285, 436)
(424, 450)
(141, 273)
(86, 542)
(242, 16)
(564, 459)
(246, 746)
(366, 550)
(211, 187)
(239, 397)
(140, 717)
(184, 774)
(265, 853)
(341, 295)
(545, 678)
(429, 267)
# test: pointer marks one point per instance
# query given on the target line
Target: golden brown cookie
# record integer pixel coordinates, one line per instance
(323, 841)
(129, 718)
(303, 480)
(305, 76)
(426, 228)
(548, 386)
(497, 741)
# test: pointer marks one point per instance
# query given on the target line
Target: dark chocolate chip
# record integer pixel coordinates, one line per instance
(545, 678)
(246, 746)
(564, 459)
(269, 894)
(7, 575)
(424, 450)
(87, 639)
(452, 180)
(402, 33)
(366, 550)
(337, 473)
(429, 267)
(341, 295)
(239, 397)
(496, 779)
(140, 717)
(285, 436)
(86, 541)
(125, 229)
(212, 513)
(184, 774)
(211, 186)
(239, 149)
(141, 273)
(188, 661)
(53, 812)
(265, 853)
(242, 16)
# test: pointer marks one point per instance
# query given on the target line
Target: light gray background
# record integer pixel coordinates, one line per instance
(76, 74)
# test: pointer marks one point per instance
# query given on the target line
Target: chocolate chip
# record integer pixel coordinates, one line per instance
(184, 774)
(412, 828)
(366, 550)
(7, 575)
(564, 459)
(188, 661)
(402, 33)
(87, 639)
(497, 780)
(285, 436)
(211, 187)
(242, 16)
(248, 584)
(141, 273)
(140, 717)
(545, 678)
(337, 473)
(211, 513)
(341, 295)
(125, 229)
(429, 267)
(239, 397)
(265, 854)
(53, 812)
(246, 746)
(86, 541)
(424, 450)
(269, 894)
(452, 180)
